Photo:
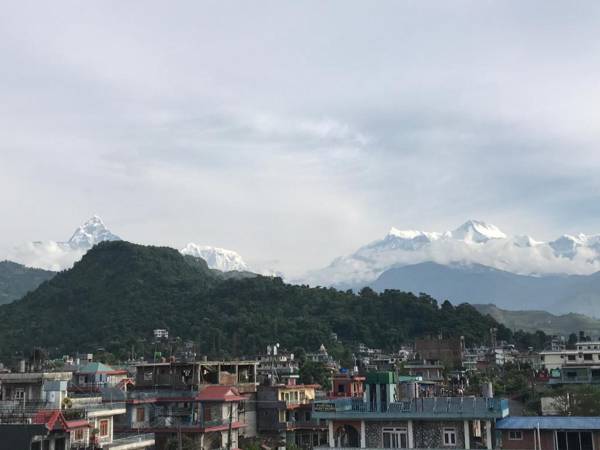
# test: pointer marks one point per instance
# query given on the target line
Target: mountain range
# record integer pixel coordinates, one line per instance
(475, 283)
(60, 255)
(551, 324)
(119, 292)
(473, 242)
(476, 262)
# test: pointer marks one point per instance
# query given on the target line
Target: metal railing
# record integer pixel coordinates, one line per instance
(432, 406)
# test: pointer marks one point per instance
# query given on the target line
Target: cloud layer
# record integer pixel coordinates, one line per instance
(291, 132)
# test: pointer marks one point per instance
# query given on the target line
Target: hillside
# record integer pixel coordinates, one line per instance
(474, 283)
(119, 292)
(16, 280)
(541, 320)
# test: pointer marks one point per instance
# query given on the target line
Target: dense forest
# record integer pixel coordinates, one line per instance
(16, 280)
(119, 292)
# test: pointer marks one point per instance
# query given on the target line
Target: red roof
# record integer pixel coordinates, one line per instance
(72, 424)
(220, 394)
(54, 419)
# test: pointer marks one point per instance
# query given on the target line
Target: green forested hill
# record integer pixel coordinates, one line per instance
(530, 321)
(16, 280)
(119, 292)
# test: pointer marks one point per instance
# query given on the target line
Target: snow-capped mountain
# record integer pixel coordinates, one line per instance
(473, 242)
(216, 258)
(59, 255)
(91, 233)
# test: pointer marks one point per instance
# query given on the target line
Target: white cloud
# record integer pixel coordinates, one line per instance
(297, 132)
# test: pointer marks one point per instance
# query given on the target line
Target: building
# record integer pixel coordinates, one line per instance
(581, 365)
(201, 399)
(347, 385)
(37, 408)
(34, 388)
(161, 333)
(212, 418)
(549, 433)
(426, 370)
(381, 421)
(449, 351)
(285, 416)
(94, 376)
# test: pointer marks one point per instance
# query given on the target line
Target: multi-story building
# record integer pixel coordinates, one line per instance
(94, 376)
(212, 403)
(449, 351)
(285, 415)
(579, 365)
(39, 409)
(381, 421)
(347, 385)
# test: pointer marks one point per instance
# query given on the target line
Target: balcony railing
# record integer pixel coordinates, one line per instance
(433, 407)
(147, 438)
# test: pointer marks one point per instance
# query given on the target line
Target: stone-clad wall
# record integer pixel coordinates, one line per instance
(429, 434)
(374, 434)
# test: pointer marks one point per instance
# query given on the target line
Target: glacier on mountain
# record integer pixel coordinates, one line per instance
(53, 255)
(216, 258)
(473, 242)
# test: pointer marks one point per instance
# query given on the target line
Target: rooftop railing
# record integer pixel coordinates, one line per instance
(432, 407)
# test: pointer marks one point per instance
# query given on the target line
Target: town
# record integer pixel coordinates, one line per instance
(435, 393)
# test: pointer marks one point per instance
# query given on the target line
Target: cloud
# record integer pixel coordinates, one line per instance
(297, 133)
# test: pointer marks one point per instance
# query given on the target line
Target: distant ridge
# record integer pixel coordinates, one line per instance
(16, 280)
(478, 284)
(542, 320)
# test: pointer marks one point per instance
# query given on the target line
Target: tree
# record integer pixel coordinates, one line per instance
(581, 400)
(313, 372)
(187, 443)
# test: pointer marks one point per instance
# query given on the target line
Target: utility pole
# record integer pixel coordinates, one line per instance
(230, 425)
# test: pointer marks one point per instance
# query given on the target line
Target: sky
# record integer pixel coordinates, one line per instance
(294, 132)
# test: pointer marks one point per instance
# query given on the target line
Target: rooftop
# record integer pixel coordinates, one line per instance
(435, 408)
(549, 423)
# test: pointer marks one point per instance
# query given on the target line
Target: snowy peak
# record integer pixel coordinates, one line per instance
(91, 233)
(477, 231)
(216, 258)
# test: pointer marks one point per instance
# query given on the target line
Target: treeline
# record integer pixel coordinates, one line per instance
(119, 292)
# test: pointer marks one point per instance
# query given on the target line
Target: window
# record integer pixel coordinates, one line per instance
(104, 428)
(78, 434)
(140, 414)
(19, 394)
(571, 357)
(515, 435)
(574, 440)
(395, 438)
(449, 436)
(587, 356)
(542, 358)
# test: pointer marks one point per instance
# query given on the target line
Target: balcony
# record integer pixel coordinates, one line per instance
(132, 442)
(460, 408)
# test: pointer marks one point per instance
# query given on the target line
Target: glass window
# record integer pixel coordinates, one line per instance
(103, 428)
(140, 414)
(395, 438)
(515, 435)
(574, 440)
(449, 436)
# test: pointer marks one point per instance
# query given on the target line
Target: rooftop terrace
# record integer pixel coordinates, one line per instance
(422, 408)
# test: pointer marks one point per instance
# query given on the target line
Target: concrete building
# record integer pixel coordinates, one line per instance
(549, 433)
(381, 421)
(285, 416)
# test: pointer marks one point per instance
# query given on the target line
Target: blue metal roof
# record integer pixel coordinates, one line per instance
(549, 423)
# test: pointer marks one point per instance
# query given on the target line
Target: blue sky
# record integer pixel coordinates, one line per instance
(294, 132)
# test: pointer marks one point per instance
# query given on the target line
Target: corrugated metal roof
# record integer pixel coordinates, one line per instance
(549, 423)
